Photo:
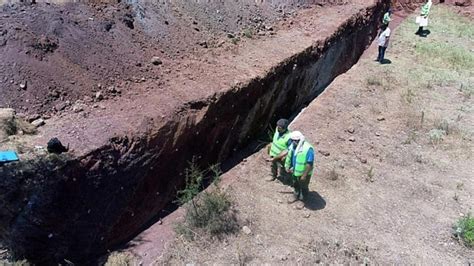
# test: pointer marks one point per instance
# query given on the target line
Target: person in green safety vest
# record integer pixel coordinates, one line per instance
(386, 17)
(423, 18)
(299, 163)
(279, 148)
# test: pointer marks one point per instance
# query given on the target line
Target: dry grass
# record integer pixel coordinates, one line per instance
(121, 259)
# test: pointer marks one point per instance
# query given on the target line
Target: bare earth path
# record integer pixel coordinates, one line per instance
(385, 190)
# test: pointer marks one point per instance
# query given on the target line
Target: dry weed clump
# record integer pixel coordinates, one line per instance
(120, 259)
(209, 212)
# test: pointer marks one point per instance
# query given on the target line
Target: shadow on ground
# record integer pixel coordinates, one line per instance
(424, 33)
(315, 202)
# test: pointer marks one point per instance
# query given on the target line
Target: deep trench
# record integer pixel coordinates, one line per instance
(77, 208)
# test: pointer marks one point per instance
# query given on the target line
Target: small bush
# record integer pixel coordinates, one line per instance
(10, 127)
(13, 126)
(374, 81)
(371, 174)
(119, 259)
(248, 33)
(436, 136)
(333, 175)
(208, 212)
(442, 125)
(235, 40)
(213, 214)
(408, 95)
(464, 230)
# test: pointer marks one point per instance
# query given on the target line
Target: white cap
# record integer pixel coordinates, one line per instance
(296, 135)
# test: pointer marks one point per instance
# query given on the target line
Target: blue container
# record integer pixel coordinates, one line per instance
(8, 156)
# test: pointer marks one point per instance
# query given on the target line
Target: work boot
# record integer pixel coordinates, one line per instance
(270, 179)
(292, 199)
(299, 205)
(419, 31)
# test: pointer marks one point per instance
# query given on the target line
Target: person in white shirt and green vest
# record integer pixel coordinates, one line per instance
(299, 163)
(423, 19)
(279, 148)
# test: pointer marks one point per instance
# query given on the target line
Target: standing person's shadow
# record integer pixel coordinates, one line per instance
(314, 201)
(425, 33)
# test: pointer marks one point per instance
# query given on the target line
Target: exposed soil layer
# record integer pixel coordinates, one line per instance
(133, 122)
(113, 186)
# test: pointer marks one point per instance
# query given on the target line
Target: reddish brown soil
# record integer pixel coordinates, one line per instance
(68, 52)
(375, 197)
(85, 61)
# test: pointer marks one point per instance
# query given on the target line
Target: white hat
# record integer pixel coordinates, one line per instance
(296, 135)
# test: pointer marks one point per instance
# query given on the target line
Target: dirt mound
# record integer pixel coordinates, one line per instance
(69, 52)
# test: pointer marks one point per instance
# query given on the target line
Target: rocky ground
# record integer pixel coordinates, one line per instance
(387, 187)
(61, 57)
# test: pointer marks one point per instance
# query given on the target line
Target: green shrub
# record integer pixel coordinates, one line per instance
(120, 259)
(247, 33)
(464, 230)
(10, 127)
(208, 212)
(213, 214)
(436, 136)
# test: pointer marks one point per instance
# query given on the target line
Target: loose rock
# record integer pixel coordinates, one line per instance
(33, 117)
(99, 96)
(60, 106)
(78, 107)
(23, 85)
(325, 153)
(155, 60)
(246, 230)
(38, 122)
(352, 139)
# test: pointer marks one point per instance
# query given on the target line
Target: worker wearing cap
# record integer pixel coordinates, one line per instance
(299, 163)
(279, 148)
(386, 17)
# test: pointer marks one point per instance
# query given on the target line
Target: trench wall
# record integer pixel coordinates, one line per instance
(59, 208)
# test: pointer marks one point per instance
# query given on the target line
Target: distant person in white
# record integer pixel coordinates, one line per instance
(382, 41)
(422, 20)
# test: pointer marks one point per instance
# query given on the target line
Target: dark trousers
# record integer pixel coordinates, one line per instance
(381, 55)
(278, 170)
(301, 187)
(420, 31)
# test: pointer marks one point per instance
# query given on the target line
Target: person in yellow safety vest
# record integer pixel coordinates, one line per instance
(386, 17)
(423, 19)
(279, 148)
(299, 163)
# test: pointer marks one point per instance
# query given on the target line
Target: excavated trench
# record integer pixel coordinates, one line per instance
(77, 208)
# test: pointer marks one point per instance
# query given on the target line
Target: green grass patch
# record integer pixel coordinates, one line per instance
(443, 59)
(445, 55)
(464, 230)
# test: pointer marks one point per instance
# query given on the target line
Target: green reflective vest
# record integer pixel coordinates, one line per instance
(386, 18)
(300, 160)
(425, 10)
(279, 144)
